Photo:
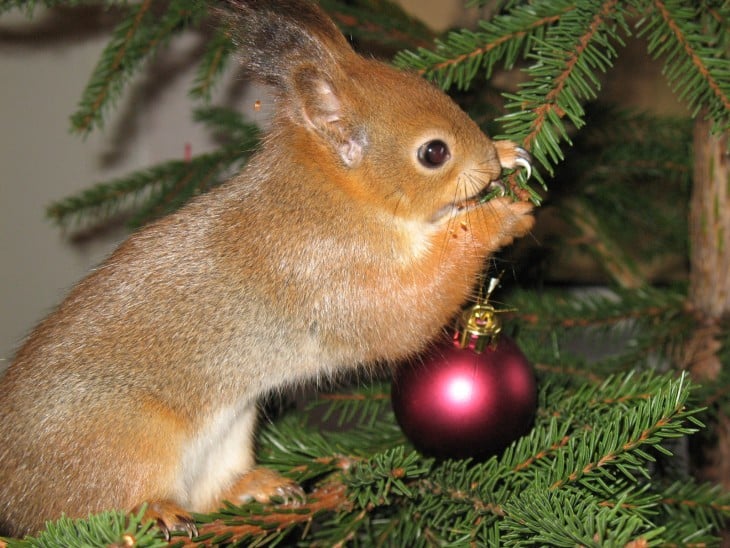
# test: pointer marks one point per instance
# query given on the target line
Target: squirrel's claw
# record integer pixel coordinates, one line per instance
(511, 156)
(290, 493)
(524, 160)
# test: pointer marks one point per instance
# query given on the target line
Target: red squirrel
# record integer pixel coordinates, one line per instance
(353, 235)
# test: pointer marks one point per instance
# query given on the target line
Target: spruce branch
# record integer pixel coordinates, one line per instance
(640, 166)
(100, 88)
(364, 406)
(550, 310)
(651, 400)
(705, 505)
(212, 66)
(229, 126)
(692, 66)
(375, 496)
(542, 445)
(457, 59)
(386, 475)
(161, 189)
(258, 525)
(383, 23)
(562, 78)
(133, 41)
(150, 192)
(570, 518)
(613, 257)
(28, 7)
(112, 529)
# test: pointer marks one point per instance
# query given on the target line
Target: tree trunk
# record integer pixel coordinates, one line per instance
(709, 225)
(709, 290)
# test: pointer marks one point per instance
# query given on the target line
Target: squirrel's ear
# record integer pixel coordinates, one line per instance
(323, 111)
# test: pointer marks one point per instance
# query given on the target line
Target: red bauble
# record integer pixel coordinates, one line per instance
(462, 402)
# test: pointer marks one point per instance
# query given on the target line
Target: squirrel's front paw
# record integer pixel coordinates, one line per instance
(264, 485)
(523, 221)
(509, 219)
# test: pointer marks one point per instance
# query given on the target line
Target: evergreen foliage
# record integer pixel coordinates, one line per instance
(602, 465)
(106, 529)
(569, 44)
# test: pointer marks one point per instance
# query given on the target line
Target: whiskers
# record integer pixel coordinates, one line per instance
(478, 217)
(466, 195)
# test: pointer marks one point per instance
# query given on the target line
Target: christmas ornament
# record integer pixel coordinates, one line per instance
(473, 394)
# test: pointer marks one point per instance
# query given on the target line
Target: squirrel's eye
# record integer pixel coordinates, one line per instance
(433, 154)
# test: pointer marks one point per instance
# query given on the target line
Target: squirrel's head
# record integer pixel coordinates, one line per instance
(396, 140)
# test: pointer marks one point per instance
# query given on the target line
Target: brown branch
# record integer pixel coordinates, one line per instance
(643, 313)
(116, 62)
(611, 457)
(212, 69)
(354, 397)
(350, 21)
(549, 368)
(622, 399)
(638, 543)
(464, 496)
(612, 504)
(725, 508)
(331, 497)
(542, 454)
(492, 45)
(341, 462)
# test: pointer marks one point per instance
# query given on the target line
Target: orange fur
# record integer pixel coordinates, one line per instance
(335, 247)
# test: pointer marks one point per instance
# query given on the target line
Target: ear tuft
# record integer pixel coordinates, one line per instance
(275, 37)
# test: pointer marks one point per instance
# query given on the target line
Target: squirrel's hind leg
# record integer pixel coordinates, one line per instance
(263, 485)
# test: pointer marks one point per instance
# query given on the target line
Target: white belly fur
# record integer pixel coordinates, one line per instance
(213, 459)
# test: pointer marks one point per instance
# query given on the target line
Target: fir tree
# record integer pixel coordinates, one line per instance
(601, 466)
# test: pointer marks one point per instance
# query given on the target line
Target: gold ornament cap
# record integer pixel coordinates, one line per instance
(478, 326)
